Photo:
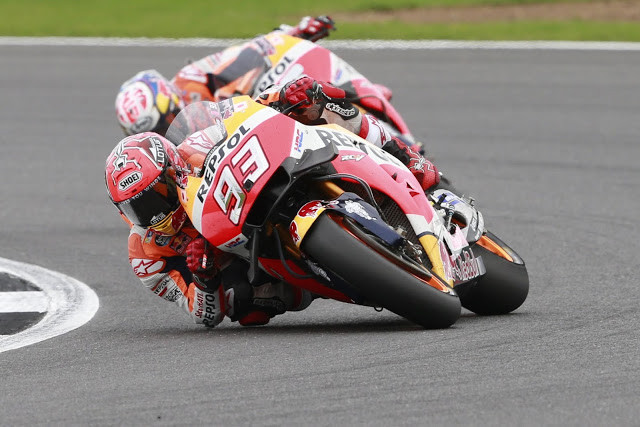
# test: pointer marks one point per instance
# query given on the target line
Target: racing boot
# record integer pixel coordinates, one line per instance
(257, 305)
(271, 299)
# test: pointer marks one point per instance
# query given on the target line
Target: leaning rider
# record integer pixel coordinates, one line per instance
(167, 253)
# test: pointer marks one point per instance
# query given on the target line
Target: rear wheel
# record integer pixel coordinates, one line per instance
(504, 287)
(382, 276)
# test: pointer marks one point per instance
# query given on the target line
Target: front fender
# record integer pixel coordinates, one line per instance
(347, 204)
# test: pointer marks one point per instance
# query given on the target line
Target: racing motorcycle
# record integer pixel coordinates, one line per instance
(325, 210)
(290, 57)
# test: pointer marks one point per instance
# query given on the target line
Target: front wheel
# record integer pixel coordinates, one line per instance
(505, 285)
(380, 275)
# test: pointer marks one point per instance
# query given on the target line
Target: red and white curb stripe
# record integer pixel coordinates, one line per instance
(68, 303)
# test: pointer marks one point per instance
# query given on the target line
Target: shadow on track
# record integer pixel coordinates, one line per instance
(355, 326)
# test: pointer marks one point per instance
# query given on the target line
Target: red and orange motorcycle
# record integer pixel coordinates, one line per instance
(323, 209)
(284, 58)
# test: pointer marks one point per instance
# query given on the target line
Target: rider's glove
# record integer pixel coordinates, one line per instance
(305, 99)
(201, 263)
(314, 29)
(422, 169)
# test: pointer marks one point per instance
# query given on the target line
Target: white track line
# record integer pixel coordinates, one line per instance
(71, 304)
(23, 302)
(331, 44)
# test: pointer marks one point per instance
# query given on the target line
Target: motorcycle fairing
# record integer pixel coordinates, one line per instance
(236, 170)
(398, 183)
(494, 244)
(275, 268)
(347, 204)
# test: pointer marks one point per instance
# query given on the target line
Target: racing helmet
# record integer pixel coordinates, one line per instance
(142, 175)
(147, 102)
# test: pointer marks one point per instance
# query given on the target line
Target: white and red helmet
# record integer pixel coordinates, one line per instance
(142, 174)
(147, 102)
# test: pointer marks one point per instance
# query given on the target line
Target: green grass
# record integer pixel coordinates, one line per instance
(522, 30)
(210, 18)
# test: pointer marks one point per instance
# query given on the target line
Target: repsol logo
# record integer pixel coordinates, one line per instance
(337, 138)
(341, 140)
(210, 311)
(271, 77)
(130, 180)
(214, 159)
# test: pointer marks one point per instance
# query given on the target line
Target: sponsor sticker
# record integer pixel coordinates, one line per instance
(130, 180)
(293, 230)
(298, 143)
(180, 242)
(356, 208)
(146, 267)
(162, 240)
(346, 113)
(355, 157)
(271, 77)
(235, 242)
(173, 294)
(467, 266)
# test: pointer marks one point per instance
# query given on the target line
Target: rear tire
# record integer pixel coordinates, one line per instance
(340, 246)
(501, 290)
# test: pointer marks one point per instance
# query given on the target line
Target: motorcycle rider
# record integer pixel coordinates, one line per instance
(169, 256)
(167, 253)
(314, 102)
(149, 102)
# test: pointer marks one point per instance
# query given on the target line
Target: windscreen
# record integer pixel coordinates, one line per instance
(193, 118)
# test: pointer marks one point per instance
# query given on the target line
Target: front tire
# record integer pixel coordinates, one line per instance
(384, 278)
(505, 285)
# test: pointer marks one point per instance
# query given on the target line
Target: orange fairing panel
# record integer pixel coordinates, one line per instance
(487, 243)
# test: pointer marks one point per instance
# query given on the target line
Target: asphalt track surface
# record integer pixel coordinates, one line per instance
(546, 141)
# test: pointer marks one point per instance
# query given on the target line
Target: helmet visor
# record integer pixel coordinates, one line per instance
(153, 204)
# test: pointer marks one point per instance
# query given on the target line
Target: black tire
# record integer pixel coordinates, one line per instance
(502, 289)
(363, 262)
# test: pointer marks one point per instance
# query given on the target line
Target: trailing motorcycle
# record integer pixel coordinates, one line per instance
(323, 209)
(290, 57)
